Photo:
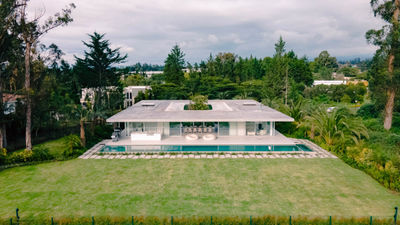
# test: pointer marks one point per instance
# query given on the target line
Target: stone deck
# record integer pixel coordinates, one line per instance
(317, 152)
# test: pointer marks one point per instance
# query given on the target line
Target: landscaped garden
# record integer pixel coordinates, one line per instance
(187, 187)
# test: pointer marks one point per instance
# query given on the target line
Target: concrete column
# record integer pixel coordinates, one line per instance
(271, 129)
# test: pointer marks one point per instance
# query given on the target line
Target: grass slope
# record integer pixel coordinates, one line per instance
(202, 187)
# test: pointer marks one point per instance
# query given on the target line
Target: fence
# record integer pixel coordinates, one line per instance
(265, 220)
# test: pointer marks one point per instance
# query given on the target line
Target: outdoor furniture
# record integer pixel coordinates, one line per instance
(251, 133)
(209, 137)
(263, 132)
(190, 130)
(205, 129)
(185, 129)
(191, 137)
(210, 129)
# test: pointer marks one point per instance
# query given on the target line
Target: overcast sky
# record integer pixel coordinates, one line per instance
(147, 29)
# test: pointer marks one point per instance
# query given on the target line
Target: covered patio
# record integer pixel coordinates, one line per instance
(277, 139)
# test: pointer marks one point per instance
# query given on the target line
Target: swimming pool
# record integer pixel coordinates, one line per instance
(206, 148)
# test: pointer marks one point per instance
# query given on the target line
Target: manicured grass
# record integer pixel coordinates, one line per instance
(56, 147)
(201, 187)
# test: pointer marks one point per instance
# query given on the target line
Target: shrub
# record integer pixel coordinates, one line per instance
(3, 156)
(73, 142)
(74, 147)
(368, 111)
(41, 154)
(20, 157)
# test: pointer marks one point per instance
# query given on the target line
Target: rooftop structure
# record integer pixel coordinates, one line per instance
(222, 111)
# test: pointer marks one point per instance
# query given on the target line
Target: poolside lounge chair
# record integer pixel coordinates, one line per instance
(191, 137)
(209, 137)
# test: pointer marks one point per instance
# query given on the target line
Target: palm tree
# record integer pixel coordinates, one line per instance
(337, 127)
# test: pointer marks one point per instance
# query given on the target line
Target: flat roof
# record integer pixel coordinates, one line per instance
(222, 111)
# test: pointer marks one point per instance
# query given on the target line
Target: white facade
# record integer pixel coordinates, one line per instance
(88, 94)
(131, 92)
(329, 82)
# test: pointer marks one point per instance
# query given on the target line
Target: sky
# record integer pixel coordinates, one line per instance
(146, 30)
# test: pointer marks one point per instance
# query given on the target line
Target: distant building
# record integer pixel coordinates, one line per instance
(10, 103)
(147, 73)
(329, 82)
(87, 94)
(131, 92)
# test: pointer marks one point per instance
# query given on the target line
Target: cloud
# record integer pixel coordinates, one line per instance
(147, 30)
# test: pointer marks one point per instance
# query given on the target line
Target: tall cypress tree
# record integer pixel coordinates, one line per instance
(174, 65)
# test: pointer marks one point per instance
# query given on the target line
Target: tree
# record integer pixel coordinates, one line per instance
(174, 65)
(324, 59)
(7, 35)
(198, 102)
(335, 128)
(276, 79)
(388, 40)
(96, 68)
(31, 31)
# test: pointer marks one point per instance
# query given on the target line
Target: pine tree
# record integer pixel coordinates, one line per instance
(173, 66)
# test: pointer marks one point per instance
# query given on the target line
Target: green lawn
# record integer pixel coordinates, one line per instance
(203, 187)
(56, 147)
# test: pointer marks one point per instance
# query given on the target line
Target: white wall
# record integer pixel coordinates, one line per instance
(166, 128)
(241, 128)
(232, 128)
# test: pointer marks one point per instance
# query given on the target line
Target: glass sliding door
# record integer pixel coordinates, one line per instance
(223, 129)
(250, 128)
(175, 129)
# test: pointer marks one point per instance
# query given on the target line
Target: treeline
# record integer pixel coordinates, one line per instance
(45, 89)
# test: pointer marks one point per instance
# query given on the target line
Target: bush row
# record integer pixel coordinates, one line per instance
(265, 220)
(41, 153)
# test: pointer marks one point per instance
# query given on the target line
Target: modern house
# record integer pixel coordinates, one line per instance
(229, 124)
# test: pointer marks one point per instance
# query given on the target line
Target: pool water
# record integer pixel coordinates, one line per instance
(207, 148)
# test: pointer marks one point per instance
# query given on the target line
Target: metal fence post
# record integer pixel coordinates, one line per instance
(395, 214)
(172, 220)
(251, 222)
(92, 220)
(52, 221)
(211, 220)
(11, 221)
(330, 220)
(133, 221)
(370, 220)
(290, 220)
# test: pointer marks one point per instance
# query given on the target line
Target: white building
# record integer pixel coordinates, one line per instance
(229, 125)
(131, 92)
(88, 94)
(329, 82)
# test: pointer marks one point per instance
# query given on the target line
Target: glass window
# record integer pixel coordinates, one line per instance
(223, 129)
(250, 128)
(175, 129)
